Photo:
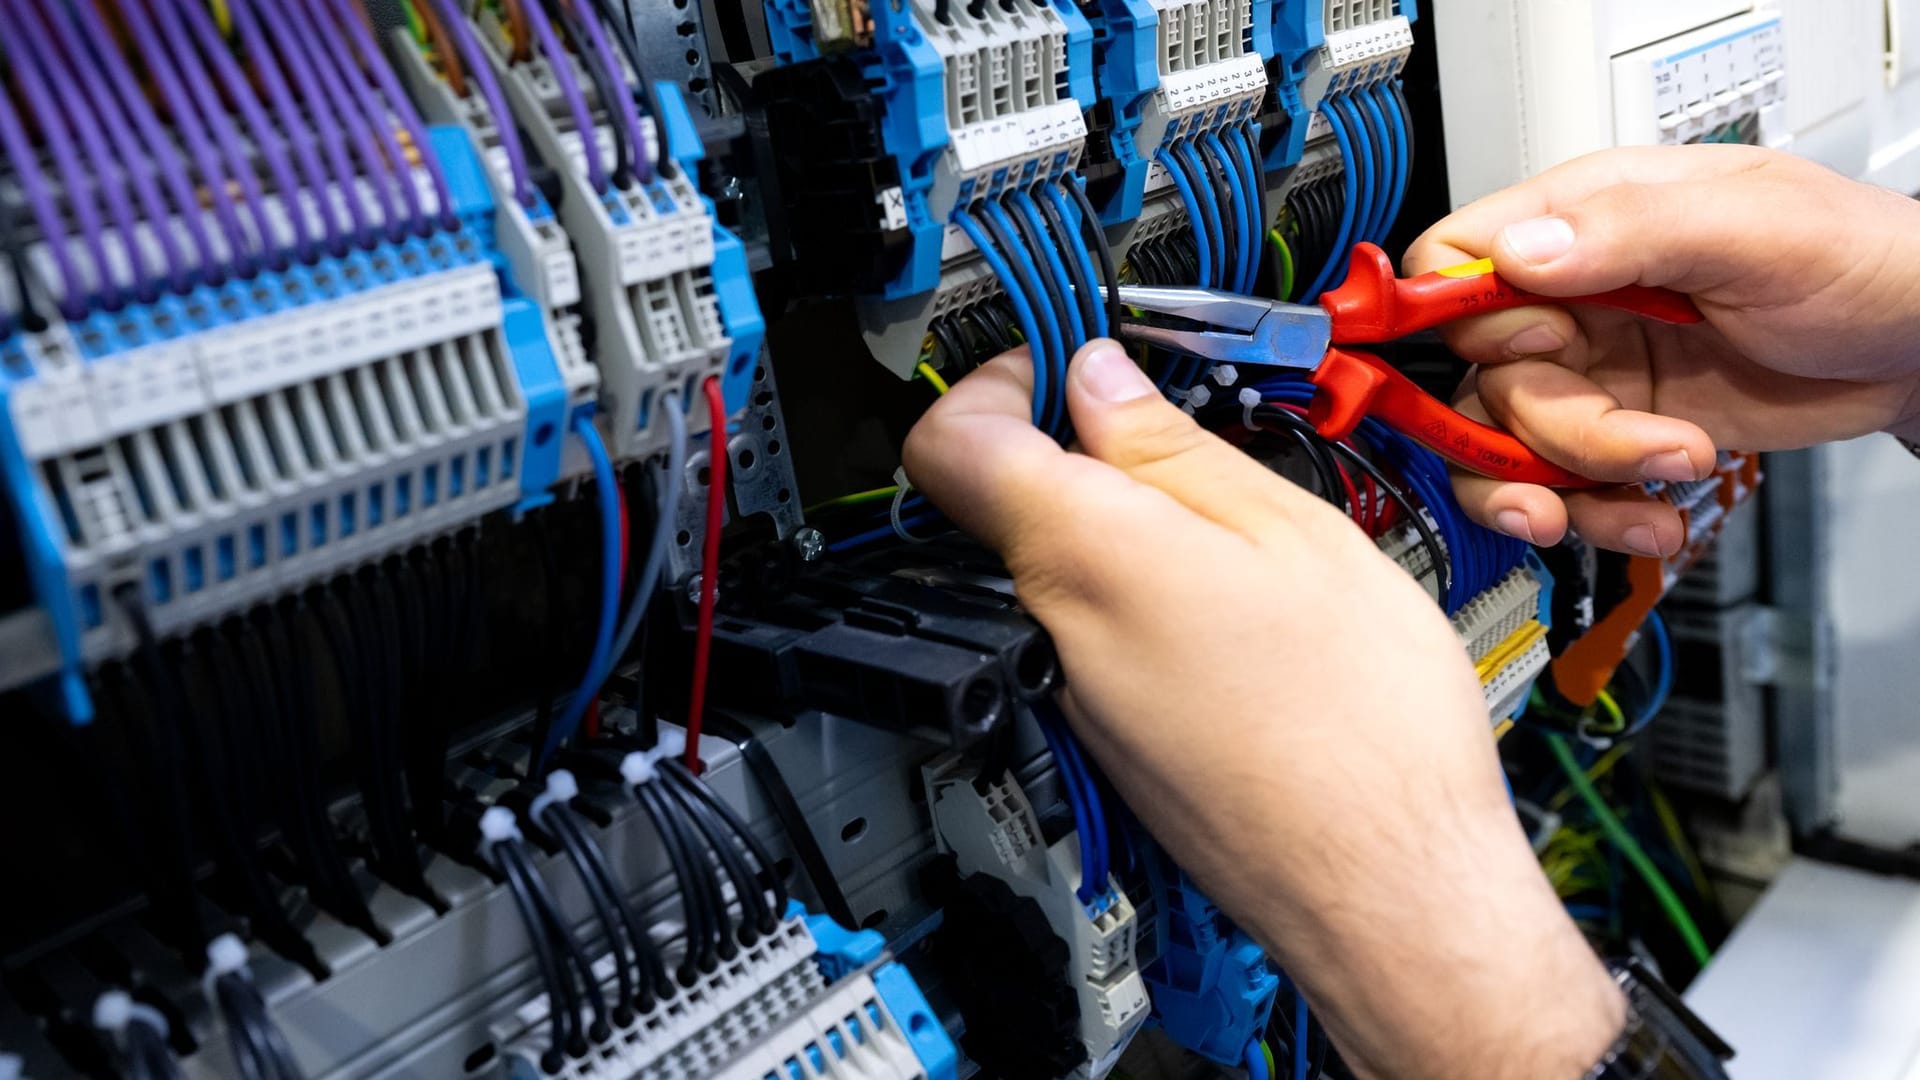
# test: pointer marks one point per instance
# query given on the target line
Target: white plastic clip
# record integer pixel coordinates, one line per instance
(498, 825)
(638, 768)
(1249, 400)
(114, 1010)
(562, 788)
(1224, 375)
(1199, 397)
(226, 954)
(902, 486)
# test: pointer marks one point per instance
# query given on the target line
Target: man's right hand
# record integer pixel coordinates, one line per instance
(1810, 284)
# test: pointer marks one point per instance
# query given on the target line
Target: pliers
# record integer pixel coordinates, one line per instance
(1375, 305)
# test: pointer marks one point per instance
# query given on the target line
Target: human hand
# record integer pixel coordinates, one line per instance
(1810, 283)
(1287, 711)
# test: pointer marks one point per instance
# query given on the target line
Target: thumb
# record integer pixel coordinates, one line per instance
(1123, 420)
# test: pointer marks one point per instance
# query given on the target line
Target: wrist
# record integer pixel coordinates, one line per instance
(1488, 980)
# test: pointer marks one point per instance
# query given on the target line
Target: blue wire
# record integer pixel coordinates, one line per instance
(1242, 147)
(1096, 808)
(1371, 203)
(1336, 257)
(1054, 357)
(1663, 679)
(1403, 149)
(1209, 206)
(1070, 213)
(1383, 185)
(609, 499)
(1076, 802)
(1061, 282)
(1301, 1018)
(1256, 1062)
(1239, 198)
(868, 537)
(1193, 216)
(1586, 913)
(1022, 311)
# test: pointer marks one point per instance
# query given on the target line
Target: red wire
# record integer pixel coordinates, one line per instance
(709, 564)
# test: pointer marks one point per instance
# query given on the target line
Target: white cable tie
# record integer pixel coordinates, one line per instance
(1199, 396)
(112, 1010)
(1249, 400)
(562, 788)
(11, 1067)
(638, 768)
(498, 824)
(893, 512)
(1225, 375)
(226, 954)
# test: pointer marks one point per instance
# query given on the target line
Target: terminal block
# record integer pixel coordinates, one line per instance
(989, 826)
(978, 100)
(1212, 986)
(665, 289)
(205, 452)
(809, 999)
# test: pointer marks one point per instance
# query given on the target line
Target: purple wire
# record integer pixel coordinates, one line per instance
(623, 98)
(13, 137)
(77, 99)
(363, 120)
(570, 89)
(299, 132)
(125, 145)
(265, 137)
(154, 53)
(160, 148)
(374, 60)
(321, 107)
(214, 112)
(33, 83)
(481, 70)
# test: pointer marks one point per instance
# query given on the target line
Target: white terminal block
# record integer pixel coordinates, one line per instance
(1688, 87)
(1361, 55)
(1490, 618)
(848, 1034)
(998, 834)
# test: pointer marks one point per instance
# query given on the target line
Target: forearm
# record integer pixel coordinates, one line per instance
(1434, 950)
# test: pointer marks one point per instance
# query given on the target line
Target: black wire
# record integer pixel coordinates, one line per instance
(607, 84)
(1230, 223)
(1216, 241)
(754, 847)
(164, 760)
(656, 983)
(562, 1019)
(1101, 251)
(793, 821)
(30, 318)
(279, 1054)
(562, 935)
(345, 634)
(950, 346)
(1055, 289)
(1063, 239)
(693, 898)
(755, 917)
(555, 819)
(1331, 489)
(148, 1054)
(1003, 335)
(664, 162)
(1320, 1054)
(546, 685)
(1400, 94)
(1428, 540)
(244, 1041)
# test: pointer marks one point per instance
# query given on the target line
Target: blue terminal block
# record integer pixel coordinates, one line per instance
(1297, 34)
(1211, 985)
(842, 952)
(908, 75)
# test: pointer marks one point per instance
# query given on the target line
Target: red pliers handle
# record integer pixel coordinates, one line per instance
(1375, 305)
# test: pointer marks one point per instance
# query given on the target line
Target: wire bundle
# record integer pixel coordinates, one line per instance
(563, 964)
(594, 33)
(704, 838)
(1220, 184)
(259, 1049)
(1370, 123)
(1082, 794)
(132, 182)
(140, 1032)
(1041, 243)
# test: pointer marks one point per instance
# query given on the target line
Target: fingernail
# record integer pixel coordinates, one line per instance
(1642, 540)
(1674, 466)
(1514, 523)
(1540, 240)
(1536, 340)
(1109, 374)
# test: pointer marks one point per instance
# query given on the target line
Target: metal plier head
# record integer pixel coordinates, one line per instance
(1230, 328)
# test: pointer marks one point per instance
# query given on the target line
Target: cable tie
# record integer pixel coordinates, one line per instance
(1249, 400)
(114, 1010)
(893, 511)
(499, 825)
(1198, 397)
(226, 955)
(562, 788)
(638, 768)
(1224, 375)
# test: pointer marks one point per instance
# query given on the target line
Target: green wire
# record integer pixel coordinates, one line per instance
(1286, 263)
(855, 499)
(1629, 847)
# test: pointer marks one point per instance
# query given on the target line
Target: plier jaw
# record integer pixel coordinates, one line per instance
(1231, 328)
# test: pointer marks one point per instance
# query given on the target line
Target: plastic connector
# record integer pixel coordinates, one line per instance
(1211, 985)
(990, 828)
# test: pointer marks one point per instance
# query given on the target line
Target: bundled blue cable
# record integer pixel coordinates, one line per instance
(1083, 798)
(1022, 310)
(1344, 237)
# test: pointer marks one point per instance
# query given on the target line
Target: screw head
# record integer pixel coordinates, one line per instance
(810, 544)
